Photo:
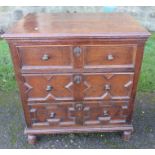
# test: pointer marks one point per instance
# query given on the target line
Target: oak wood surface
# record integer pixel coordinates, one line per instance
(77, 72)
(103, 25)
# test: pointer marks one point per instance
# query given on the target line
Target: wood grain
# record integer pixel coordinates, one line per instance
(116, 25)
(77, 72)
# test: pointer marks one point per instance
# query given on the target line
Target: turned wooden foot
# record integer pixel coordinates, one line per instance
(126, 135)
(32, 139)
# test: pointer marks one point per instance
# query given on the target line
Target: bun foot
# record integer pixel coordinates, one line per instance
(126, 135)
(32, 139)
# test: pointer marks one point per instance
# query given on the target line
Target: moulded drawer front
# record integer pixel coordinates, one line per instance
(105, 113)
(48, 87)
(51, 115)
(107, 86)
(116, 56)
(68, 114)
(48, 58)
(72, 87)
(45, 57)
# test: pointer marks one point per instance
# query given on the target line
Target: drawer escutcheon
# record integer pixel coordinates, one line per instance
(77, 51)
(77, 79)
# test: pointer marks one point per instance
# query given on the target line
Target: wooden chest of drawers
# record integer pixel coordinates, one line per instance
(77, 72)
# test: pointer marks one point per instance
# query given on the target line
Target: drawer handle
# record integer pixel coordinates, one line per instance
(45, 57)
(105, 113)
(107, 87)
(49, 88)
(52, 115)
(77, 51)
(110, 57)
(77, 79)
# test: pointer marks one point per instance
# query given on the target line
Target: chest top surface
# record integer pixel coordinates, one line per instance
(61, 25)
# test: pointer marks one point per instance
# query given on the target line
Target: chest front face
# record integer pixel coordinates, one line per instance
(77, 82)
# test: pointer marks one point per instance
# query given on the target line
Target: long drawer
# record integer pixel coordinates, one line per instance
(55, 58)
(65, 114)
(75, 87)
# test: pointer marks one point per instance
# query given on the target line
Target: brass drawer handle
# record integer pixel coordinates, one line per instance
(107, 87)
(45, 57)
(77, 51)
(49, 88)
(105, 113)
(77, 79)
(52, 115)
(110, 57)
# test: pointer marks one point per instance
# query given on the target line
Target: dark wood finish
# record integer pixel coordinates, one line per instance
(86, 86)
(57, 87)
(67, 114)
(115, 25)
(77, 72)
(46, 56)
(109, 56)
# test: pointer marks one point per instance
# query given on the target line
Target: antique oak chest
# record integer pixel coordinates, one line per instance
(77, 72)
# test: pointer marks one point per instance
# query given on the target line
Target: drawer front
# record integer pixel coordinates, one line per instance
(106, 113)
(115, 56)
(105, 86)
(78, 114)
(50, 115)
(45, 57)
(48, 87)
(86, 86)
